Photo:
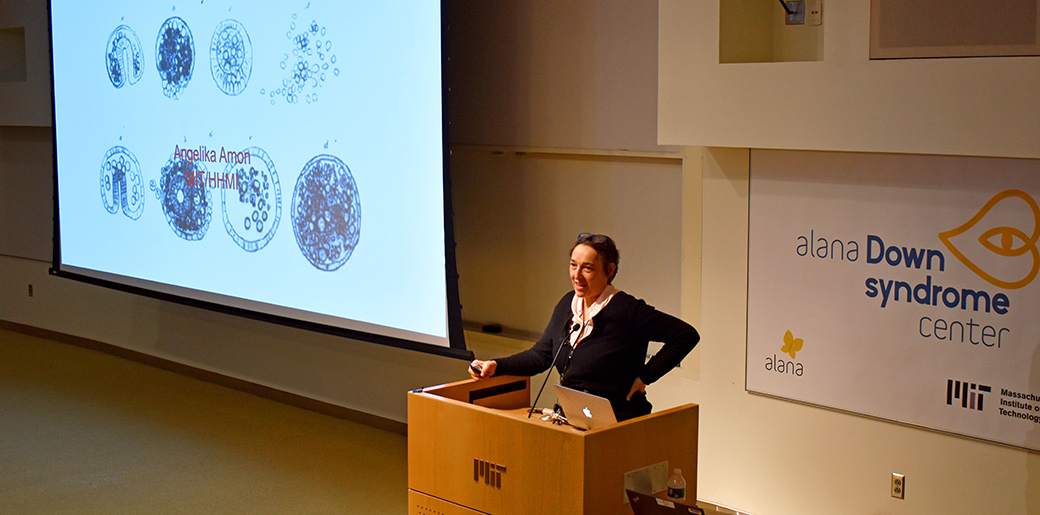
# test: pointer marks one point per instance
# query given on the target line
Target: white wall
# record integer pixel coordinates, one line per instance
(769, 456)
(973, 106)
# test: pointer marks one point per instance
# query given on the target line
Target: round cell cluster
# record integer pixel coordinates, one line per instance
(231, 57)
(185, 200)
(122, 186)
(307, 65)
(174, 56)
(123, 57)
(326, 212)
(252, 219)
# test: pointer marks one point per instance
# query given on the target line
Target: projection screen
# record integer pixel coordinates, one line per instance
(280, 160)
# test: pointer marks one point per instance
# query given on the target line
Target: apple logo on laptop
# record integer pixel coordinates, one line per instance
(587, 411)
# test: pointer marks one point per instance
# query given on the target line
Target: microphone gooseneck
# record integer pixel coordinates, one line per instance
(567, 341)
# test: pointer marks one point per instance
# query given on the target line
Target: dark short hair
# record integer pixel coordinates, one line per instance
(605, 249)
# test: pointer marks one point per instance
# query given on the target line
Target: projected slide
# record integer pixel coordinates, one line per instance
(281, 157)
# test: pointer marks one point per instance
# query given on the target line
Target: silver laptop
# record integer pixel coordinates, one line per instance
(584, 410)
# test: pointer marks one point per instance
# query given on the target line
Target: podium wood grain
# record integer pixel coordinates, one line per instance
(547, 468)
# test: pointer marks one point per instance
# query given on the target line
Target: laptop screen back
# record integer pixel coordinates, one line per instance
(584, 410)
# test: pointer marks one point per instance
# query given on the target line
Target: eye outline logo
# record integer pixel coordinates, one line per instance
(1007, 237)
(791, 344)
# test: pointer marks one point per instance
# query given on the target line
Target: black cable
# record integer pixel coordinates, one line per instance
(786, 9)
(566, 341)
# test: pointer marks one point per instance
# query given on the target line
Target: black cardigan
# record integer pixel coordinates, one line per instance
(607, 361)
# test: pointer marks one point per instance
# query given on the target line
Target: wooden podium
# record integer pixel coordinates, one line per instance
(472, 450)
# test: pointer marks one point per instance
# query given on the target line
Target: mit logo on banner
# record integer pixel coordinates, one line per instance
(968, 395)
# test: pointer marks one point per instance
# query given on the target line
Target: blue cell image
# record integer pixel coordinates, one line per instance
(305, 64)
(326, 212)
(185, 200)
(122, 186)
(174, 56)
(123, 57)
(231, 57)
(252, 212)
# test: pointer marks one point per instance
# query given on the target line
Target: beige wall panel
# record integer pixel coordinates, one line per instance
(26, 192)
(555, 74)
(516, 218)
(953, 28)
(27, 102)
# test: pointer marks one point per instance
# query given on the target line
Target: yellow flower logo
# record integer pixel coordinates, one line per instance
(791, 344)
(1003, 240)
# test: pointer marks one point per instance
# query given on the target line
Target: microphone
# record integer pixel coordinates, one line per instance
(567, 341)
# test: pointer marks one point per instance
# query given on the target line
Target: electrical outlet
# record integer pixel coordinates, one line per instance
(898, 485)
(814, 12)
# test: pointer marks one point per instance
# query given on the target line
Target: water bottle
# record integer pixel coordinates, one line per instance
(676, 485)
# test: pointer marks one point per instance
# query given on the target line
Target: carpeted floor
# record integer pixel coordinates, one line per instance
(85, 432)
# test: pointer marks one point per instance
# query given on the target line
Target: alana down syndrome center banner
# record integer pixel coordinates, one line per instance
(902, 287)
